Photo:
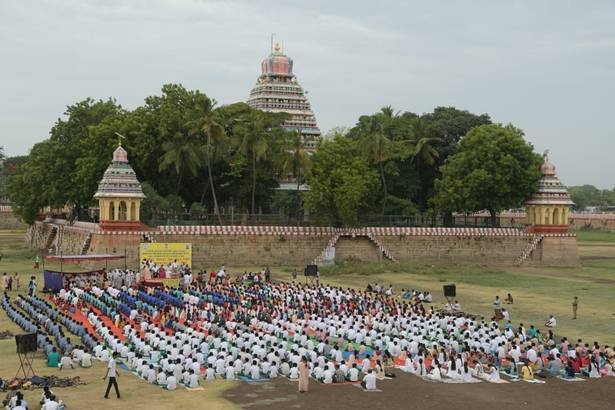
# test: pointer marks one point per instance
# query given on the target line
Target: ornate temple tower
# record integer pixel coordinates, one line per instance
(119, 195)
(548, 209)
(277, 90)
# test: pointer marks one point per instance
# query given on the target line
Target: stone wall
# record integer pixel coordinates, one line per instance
(297, 247)
(8, 220)
(556, 251)
(477, 250)
(209, 251)
(357, 249)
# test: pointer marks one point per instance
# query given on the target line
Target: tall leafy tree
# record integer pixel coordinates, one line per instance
(377, 145)
(209, 125)
(494, 169)
(295, 162)
(256, 141)
(341, 183)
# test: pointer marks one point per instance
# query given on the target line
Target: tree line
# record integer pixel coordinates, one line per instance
(192, 155)
(585, 196)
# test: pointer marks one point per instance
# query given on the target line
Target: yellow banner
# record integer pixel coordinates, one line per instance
(167, 253)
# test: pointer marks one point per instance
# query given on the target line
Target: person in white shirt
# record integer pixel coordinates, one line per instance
(210, 374)
(494, 374)
(327, 375)
(366, 364)
(353, 373)
(551, 322)
(435, 373)
(230, 372)
(193, 379)
(50, 404)
(19, 405)
(113, 375)
(151, 374)
(161, 379)
(369, 381)
(255, 371)
(66, 362)
(171, 382)
(466, 374)
(294, 372)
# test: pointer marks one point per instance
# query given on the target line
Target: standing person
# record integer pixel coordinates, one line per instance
(497, 308)
(16, 281)
(32, 286)
(267, 274)
(5, 282)
(113, 374)
(575, 306)
(304, 375)
(294, 276)
(37, 262)
(317, 278)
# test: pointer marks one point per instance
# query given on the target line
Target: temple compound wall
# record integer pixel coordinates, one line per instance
(8, 220)
(250, 246)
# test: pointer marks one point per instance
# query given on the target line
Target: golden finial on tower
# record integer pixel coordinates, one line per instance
(119, 138)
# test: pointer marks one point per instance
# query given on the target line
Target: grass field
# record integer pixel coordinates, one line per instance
(538, 292)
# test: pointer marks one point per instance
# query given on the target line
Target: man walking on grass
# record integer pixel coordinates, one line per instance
(575, 306)
(113, 375)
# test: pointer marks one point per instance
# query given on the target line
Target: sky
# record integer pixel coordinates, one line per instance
(548, 67)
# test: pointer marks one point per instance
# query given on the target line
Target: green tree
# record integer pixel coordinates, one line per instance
(341, 183)
(209, 125)
(494, 169)
(586, 195)
(296, 163)
(256, 141)
(377, 146)
(182, 154)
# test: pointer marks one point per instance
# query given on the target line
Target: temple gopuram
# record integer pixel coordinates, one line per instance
(119, 196)
(277, 90)
(548, 210)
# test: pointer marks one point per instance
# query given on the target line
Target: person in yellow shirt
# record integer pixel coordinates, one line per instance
(526, 371)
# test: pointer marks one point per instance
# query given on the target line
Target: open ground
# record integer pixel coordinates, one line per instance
(537, 292)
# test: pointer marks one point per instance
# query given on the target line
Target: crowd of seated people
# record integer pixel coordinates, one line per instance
(234, 330)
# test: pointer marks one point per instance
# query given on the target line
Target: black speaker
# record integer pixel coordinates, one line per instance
(311, 270)
(26, 343)
(449, 291)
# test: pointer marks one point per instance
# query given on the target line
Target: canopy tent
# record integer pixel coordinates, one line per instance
(83, 258)
(55, 280)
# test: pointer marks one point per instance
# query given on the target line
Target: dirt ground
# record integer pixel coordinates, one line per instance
(407, 391)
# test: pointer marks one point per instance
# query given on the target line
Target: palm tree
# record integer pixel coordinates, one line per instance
(424, 152)
(377, 145)
(209, 125)
(181, 154)
(296, 162)
(254, 144)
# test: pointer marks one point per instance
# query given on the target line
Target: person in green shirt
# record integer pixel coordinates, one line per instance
(53, 358)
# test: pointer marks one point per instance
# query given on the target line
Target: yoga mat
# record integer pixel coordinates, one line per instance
(576, 379)
(367, 391)
(250, 380)
(535, 381)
